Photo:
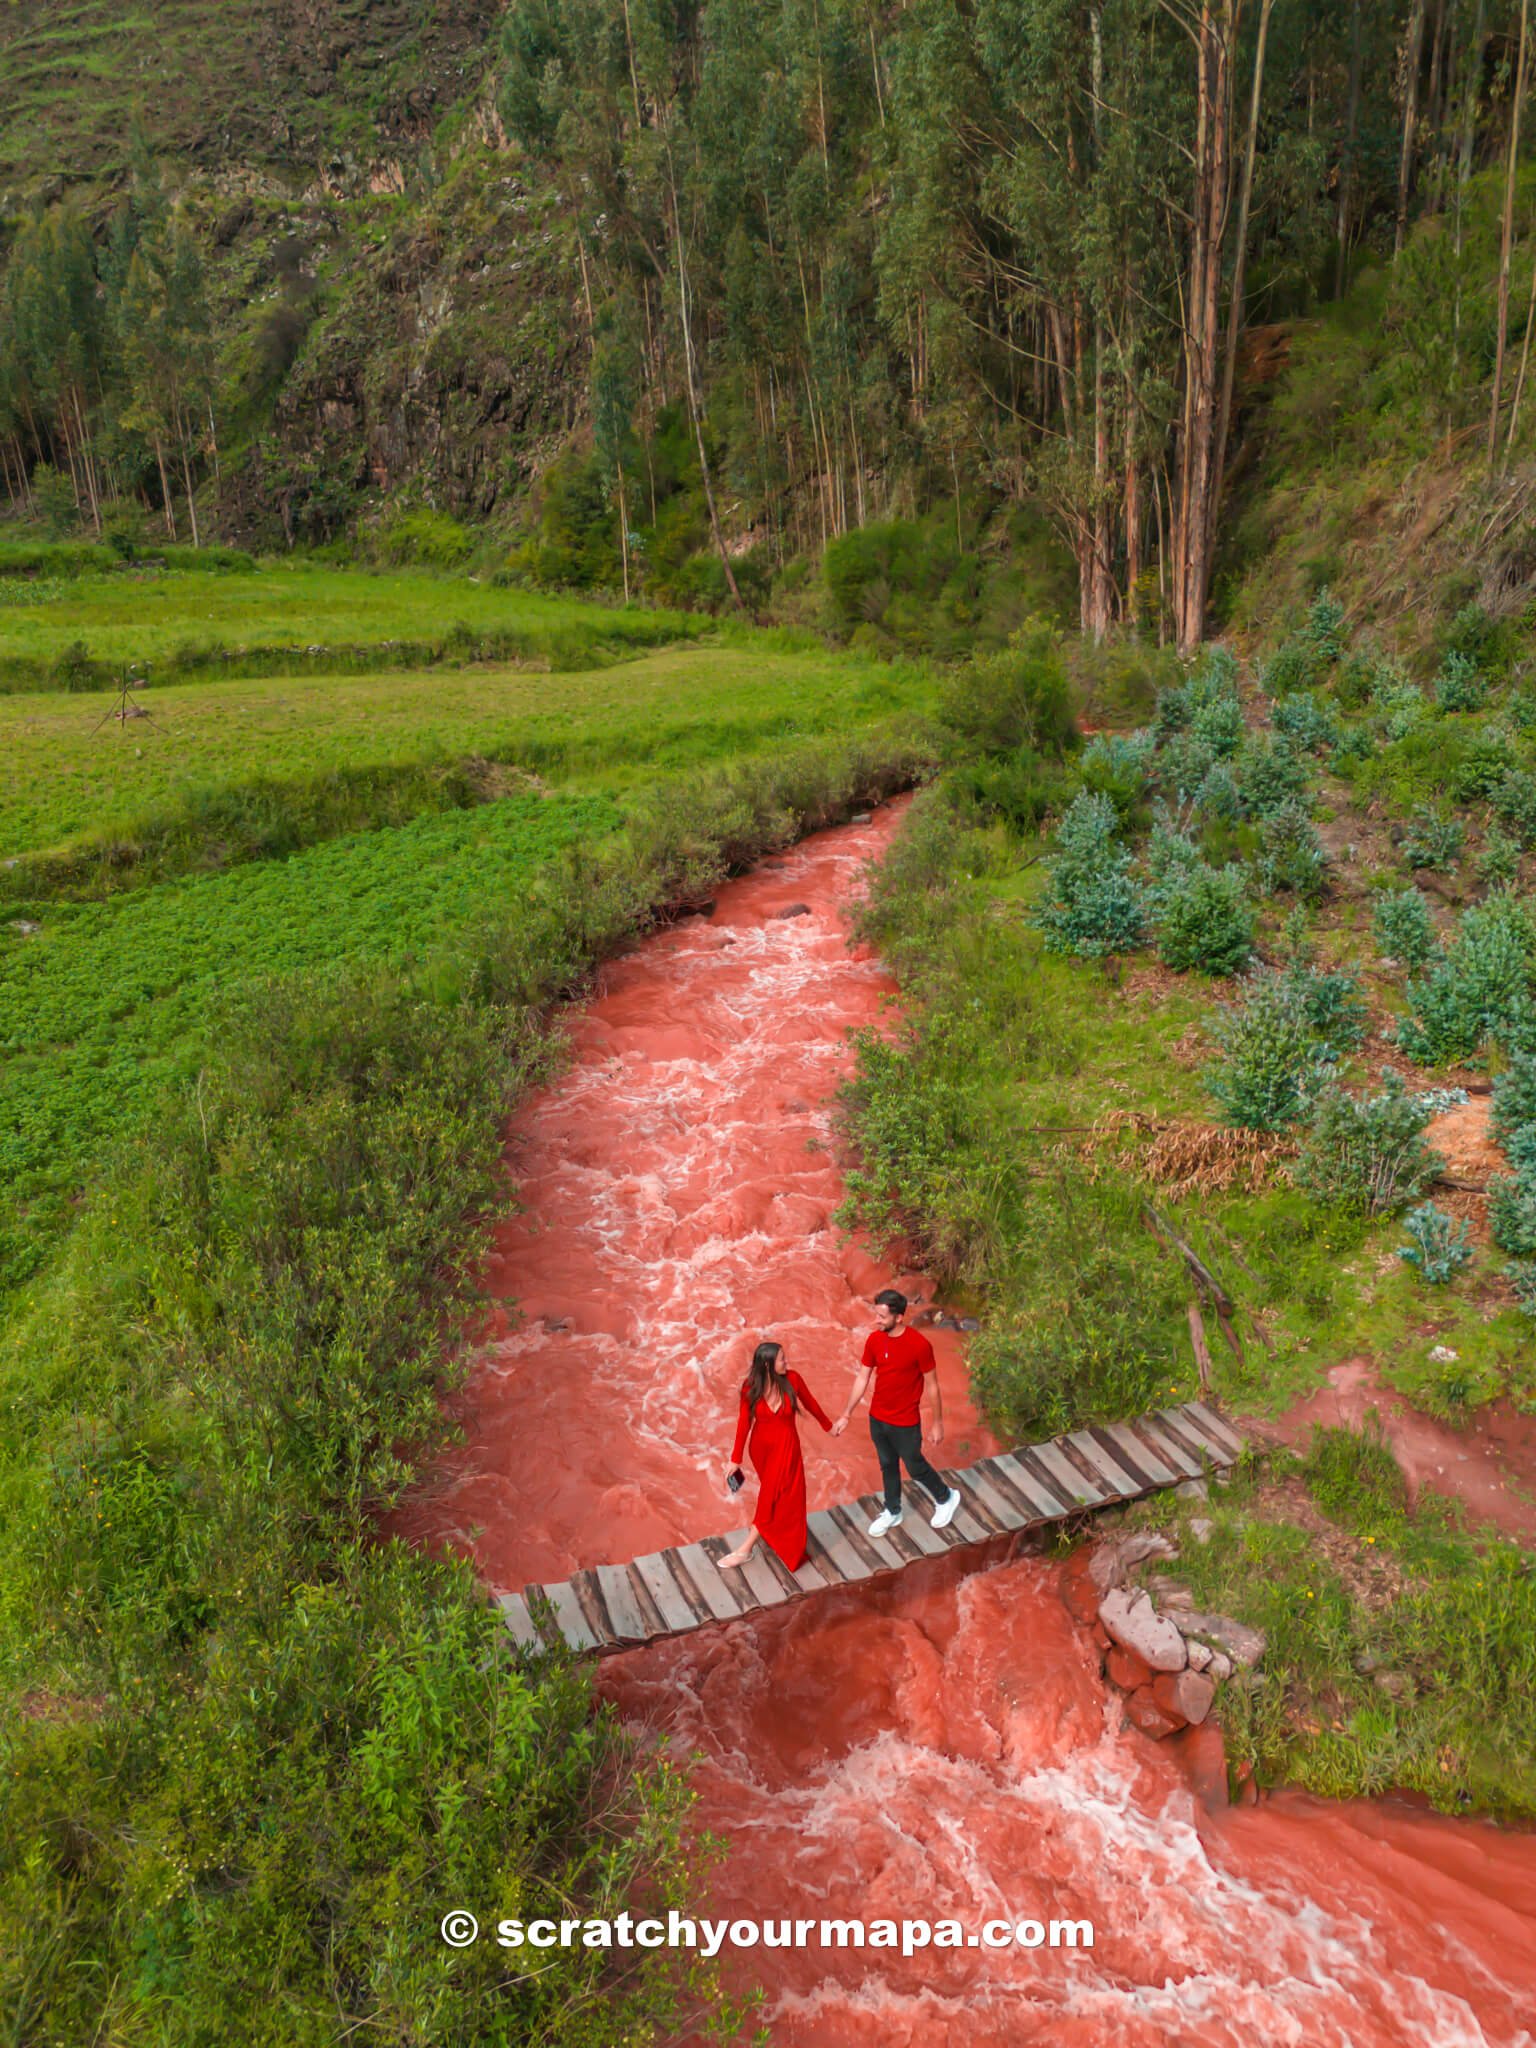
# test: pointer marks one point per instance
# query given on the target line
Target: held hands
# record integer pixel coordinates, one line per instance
(840, 1425)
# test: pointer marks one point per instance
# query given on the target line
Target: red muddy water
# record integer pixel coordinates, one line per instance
(941, 1745)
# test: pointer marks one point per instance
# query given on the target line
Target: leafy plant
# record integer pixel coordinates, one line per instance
(1095, 905)
(1440, 1243)
(1514, 801)
(1478, 989)
(1368, 1153)
(1332, 1002)
(1498, 864)
(1459, 686)
(1432, 841)
(1512, 1213)
(1218, 725)
(1292, 856)
(1204, 919)
(1272, 1063)
(1404, 929)
(1304, 723)
(1270, 774)
(1020, 696)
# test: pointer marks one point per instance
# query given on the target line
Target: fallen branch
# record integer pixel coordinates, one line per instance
(1202, 1350)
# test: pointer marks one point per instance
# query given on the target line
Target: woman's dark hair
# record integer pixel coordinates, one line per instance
(762, 1378)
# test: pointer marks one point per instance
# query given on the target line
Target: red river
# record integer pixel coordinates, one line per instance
(938, 1746)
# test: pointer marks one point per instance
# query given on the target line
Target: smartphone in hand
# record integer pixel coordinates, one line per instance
(736, 1480)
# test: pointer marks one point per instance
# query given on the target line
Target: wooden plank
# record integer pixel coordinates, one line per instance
(671, 1603)
(840, 1553)
(971, 1522)
(569, 1618)
(514, 1612)
(1141, 1457)
(758, 1577)
(590, 1600)
(1168, 1447)
(1129, 1453)
(1004, 1511)
(1066, 1477)
(919, 1531)
(1046, 1487)
(1218, 1431)
(1013, 1490)
(707, 1582)
(1174, 1422)
(1118, 1479)
(853, 1527)
(1039, 1498)
(628, 1620)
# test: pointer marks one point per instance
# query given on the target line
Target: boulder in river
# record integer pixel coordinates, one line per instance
(1186, 1696)
(1143, 1712)
(1136, 1625)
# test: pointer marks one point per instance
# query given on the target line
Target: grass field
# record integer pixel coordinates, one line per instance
(675, 707)
(305, 823)
(155, 616)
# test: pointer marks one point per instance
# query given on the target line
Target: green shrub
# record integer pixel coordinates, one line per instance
(1095, 905)
(1292, 666)
(1459, 686)
(1488, 758)
(1292, 857)
(1019, 788)
(1018, 697)
(1332, 1002)
(1174, 712)
(1483, 642)
(426, 537)
(1324, 630)
(1355, 1480)
(1514, 1099)
(1270, 774)
(1204, 919)
(1514, 801)
(1116, 765)
(1368, 1153)
(1512, 1213)
(73, 669)
(1404, 929)
(1218, 725)
(1498, 863)
(1478, 989)
(1271, 1063)
(1431, 841)
(1217, 796)
(1438, 1243)
(1304, 723)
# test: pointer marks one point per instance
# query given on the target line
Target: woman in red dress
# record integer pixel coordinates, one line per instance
(771, 1398)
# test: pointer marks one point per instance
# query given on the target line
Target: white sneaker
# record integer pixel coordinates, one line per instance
(946, 1510)
(884, 1522)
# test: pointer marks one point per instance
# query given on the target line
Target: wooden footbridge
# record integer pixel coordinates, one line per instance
(617, 1606)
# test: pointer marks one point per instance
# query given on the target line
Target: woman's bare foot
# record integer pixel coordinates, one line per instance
(736, 1557)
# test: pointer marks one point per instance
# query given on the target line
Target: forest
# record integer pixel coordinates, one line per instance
(831, 265)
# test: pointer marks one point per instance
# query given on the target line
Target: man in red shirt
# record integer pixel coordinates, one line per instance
(899, 1361)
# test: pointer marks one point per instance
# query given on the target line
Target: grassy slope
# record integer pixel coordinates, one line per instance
(146, 616)
(103, 1004)
(217, 78)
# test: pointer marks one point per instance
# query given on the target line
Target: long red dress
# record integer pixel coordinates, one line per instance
(775, 1452)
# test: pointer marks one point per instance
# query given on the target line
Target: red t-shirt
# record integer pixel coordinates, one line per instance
(900, 1360)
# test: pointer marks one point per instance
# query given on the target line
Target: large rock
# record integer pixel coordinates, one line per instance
(1136, 1625)
(1143, 1712)
(1108, 1563)
(1126, 1669)
(1185, 1696)
(1244, 1645)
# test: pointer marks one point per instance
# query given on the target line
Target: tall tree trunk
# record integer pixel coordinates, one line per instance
(1198, 479)
(1413, 48)
(695, 400)
(1347, 157)
(1239, 270)
(1506, 242)
(167, 507)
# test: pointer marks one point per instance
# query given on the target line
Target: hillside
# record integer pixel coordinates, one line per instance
(228, 83)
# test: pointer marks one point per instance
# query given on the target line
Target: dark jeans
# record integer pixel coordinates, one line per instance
(897, 1444)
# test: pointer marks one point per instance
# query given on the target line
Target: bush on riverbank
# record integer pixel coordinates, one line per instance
(244, 1736)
